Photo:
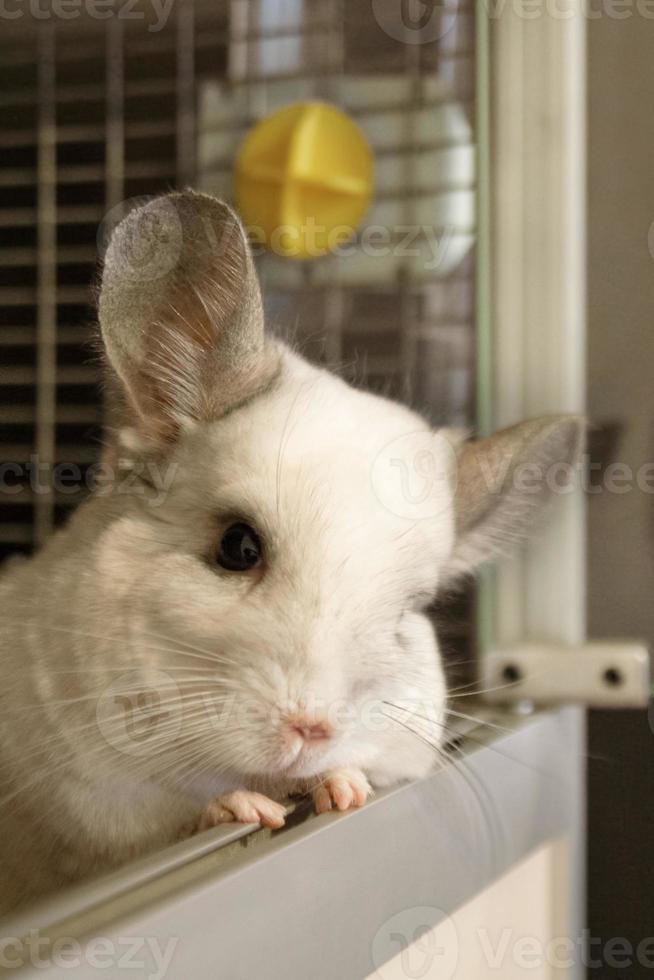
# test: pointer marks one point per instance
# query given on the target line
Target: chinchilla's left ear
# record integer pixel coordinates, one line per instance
(181, 315)
(504, 481)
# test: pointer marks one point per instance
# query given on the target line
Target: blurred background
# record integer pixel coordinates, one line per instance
(621, 526)
(98, 113)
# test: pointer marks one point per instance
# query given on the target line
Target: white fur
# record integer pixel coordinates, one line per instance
(335, 617)
(139, 681)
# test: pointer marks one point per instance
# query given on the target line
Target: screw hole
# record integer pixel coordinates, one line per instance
(511, 674)
(613, 677)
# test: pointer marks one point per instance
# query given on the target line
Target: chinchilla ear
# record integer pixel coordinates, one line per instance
(181, 315)
(503, 482)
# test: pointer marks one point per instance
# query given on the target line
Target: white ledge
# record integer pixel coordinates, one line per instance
(308, 901)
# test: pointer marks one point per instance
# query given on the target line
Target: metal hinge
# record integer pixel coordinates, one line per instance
(600, 675)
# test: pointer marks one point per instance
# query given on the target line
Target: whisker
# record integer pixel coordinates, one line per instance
(479, 721)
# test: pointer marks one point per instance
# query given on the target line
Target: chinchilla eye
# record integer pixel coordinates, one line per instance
(240, 548)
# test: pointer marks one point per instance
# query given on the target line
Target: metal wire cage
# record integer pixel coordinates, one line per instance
(97, 111)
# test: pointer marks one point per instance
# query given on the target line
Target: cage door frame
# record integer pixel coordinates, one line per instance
(532, 346)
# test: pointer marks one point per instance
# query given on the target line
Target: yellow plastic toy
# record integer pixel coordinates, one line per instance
(304, 179)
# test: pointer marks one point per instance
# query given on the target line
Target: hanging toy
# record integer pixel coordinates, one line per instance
(304, 179)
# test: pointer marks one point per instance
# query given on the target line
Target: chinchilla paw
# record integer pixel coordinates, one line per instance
(341, 788)
(242, 806)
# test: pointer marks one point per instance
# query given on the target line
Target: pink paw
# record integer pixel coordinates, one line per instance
(341, 788)
(242, 806)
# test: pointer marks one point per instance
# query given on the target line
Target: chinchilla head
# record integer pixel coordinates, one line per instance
(280, 580)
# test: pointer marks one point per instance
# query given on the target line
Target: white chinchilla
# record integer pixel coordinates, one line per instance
(239, 612)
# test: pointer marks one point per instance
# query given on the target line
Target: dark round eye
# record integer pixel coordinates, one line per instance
(240, 548)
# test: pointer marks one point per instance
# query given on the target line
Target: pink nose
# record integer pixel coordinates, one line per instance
(310, 729)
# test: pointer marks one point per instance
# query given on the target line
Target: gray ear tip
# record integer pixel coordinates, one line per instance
(186, 201)
(574, 425)
(180, 236)
(175, 216)
(197, 202)
(567, 432)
